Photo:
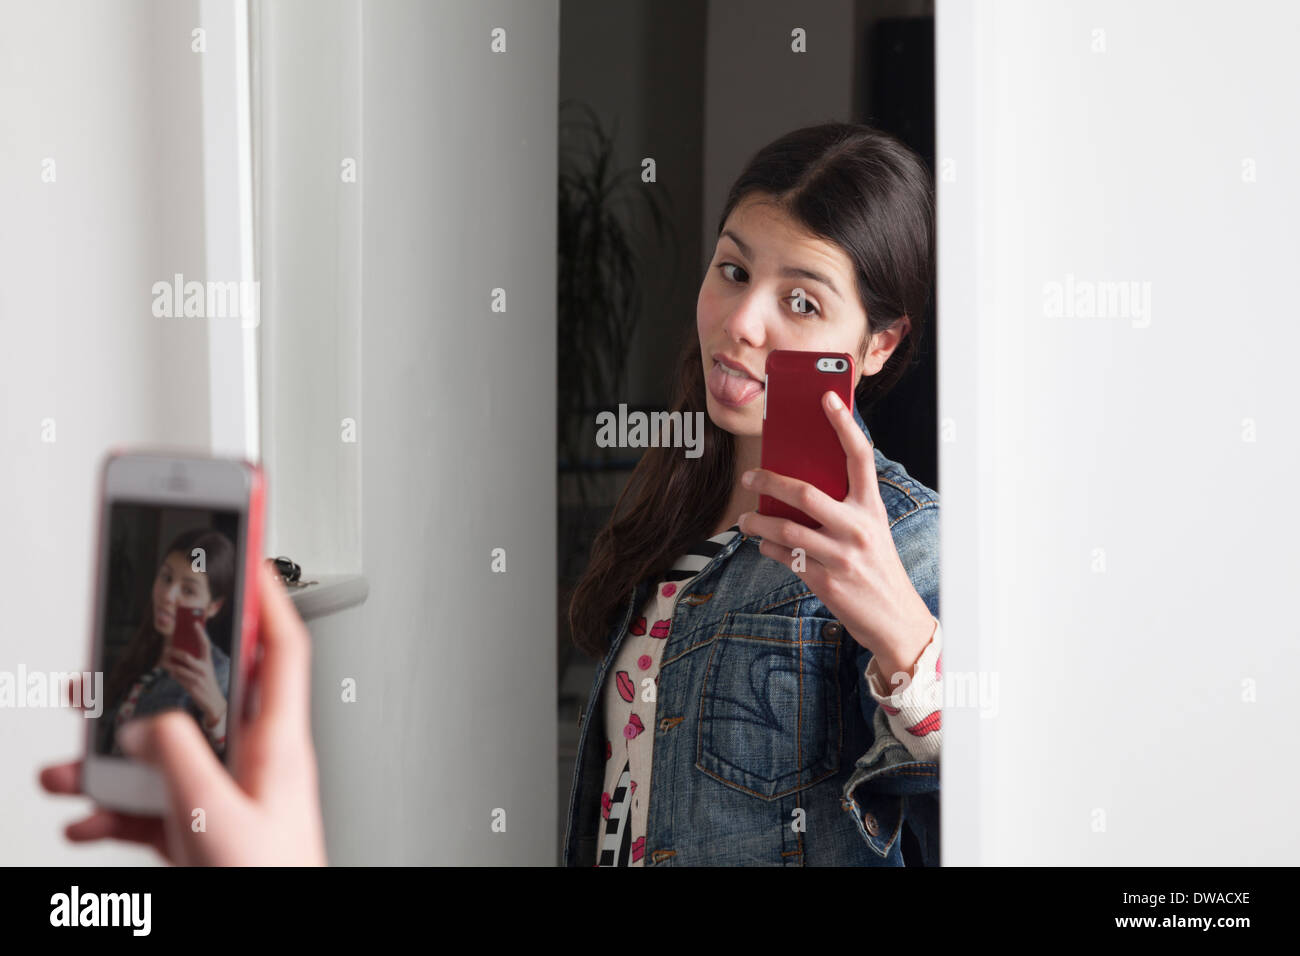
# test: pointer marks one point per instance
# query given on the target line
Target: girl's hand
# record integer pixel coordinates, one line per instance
(850, 562)
(198, 676)
(266, 808)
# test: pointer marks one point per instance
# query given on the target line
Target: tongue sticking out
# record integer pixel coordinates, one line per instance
(732, 389)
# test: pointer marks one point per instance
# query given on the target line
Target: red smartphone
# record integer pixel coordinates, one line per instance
(185, 636)
(178, 536)
(798, 439)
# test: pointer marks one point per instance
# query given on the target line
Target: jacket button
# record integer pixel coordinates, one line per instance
(869, 821)
(833, 629)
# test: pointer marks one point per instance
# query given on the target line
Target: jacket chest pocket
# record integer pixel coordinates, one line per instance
(769, 721)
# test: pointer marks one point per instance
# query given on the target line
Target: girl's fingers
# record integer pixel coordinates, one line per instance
(184, 656)
(776, 552)
(76, 697)
(808, 498)
(787, 535)
(811, 571)
(108, 824)
(863, 483)
(189, 667)
(173, 743)
(205, 643)
(183, 675)
(285, 668)
(62, 778)
(179, 658)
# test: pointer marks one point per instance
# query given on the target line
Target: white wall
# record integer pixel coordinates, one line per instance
(454, 665)
(455, 409)
(308, 102)
(1125, 734)
(111, 93)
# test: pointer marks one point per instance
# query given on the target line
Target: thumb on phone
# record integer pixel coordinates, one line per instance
(172, 743)
(284, 670)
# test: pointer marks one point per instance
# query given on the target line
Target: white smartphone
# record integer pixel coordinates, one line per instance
(175, 609)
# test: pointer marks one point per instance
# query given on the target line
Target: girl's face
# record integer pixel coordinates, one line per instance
(749, 304)
(178, 585)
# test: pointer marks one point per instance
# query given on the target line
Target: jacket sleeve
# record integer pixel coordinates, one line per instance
(905, 765)
(916, 537)
(217, 734)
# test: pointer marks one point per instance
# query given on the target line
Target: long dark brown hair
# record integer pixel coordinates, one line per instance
(144, 648)
(848, 184)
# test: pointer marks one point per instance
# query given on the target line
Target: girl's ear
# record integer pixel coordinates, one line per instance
(861, 361)
(214, 609)
(883, 344)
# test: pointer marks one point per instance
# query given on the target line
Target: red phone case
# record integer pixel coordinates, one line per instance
(798, 439)
(185, 637)
(251, 634)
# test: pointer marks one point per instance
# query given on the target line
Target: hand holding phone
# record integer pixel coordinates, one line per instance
(270, 808)
(193, 668)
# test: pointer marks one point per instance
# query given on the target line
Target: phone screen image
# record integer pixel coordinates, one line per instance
(172, 575)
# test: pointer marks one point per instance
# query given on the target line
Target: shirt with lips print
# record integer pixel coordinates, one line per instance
(629, 705)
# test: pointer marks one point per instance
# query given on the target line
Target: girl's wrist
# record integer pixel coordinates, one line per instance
(901, 656)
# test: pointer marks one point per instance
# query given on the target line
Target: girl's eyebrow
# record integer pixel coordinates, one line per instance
(186, 575)
(790, 272)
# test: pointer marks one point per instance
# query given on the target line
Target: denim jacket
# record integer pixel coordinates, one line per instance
(166, 693)
(763, 711)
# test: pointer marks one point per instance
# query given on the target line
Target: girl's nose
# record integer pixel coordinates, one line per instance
(748, 322)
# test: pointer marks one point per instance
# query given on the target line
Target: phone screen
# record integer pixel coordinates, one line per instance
(169, 600)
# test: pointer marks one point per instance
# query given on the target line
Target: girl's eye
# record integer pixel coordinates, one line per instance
(808, 307)
(730, 265)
